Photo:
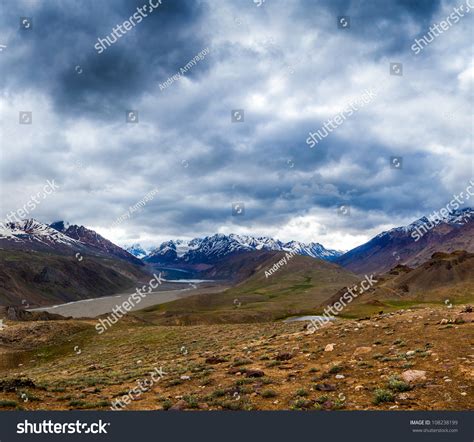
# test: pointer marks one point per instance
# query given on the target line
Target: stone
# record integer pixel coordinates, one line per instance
(180, 405)
(411, 376)
(340, 376)
(329, 347)
(325, 387)
(283, 356)
(410, 352)
(252, 373)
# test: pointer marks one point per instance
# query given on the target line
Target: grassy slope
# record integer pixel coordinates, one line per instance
(74, 368)
(296, 288)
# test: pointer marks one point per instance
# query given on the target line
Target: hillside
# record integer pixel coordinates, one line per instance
(295, 288)
(447, 279)
(38, 278)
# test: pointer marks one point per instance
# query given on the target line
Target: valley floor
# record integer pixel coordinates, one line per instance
(416, 359)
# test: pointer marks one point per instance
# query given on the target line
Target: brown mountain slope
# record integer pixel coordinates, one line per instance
(402, 246)
(446, 278)
(36, 278)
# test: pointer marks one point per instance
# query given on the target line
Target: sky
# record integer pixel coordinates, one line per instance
(230, 131)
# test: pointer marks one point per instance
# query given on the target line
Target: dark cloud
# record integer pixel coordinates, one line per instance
(286, 64)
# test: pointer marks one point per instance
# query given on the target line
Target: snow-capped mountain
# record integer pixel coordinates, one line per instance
(136, 250)
(457, 217)
(413, 244)
(94, 241)
(212, 248)
(30, 231)
(30, 234)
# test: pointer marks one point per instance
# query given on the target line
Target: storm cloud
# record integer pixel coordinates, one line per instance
(289, 65)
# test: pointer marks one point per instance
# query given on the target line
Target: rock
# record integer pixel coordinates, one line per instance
(215, 360)
(283, 356)
(329, 347)
(444, 321)
(467, 309)
(411, 376)
(448, 380)
(340, 376)
(180, 405)
(185, 378)
(328, 405)
(359, 387)
(362, 350)
(325, 387)
(252, 373)
(410, 353)
(203, 406)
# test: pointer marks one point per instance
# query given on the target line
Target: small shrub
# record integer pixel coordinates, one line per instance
(240, 362)
(192, 401)
(381, 395)
(301, 403)
(336, 369)
(269, 393)
(396, 384)
(167, 404)
(6, 403)
(301, 392)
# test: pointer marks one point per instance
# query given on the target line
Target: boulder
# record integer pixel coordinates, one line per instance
(411, 376)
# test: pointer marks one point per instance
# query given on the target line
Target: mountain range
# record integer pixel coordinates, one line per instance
(210, 249)
(39, 262)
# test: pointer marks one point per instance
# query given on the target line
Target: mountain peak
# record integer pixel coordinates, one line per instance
(213, 247)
